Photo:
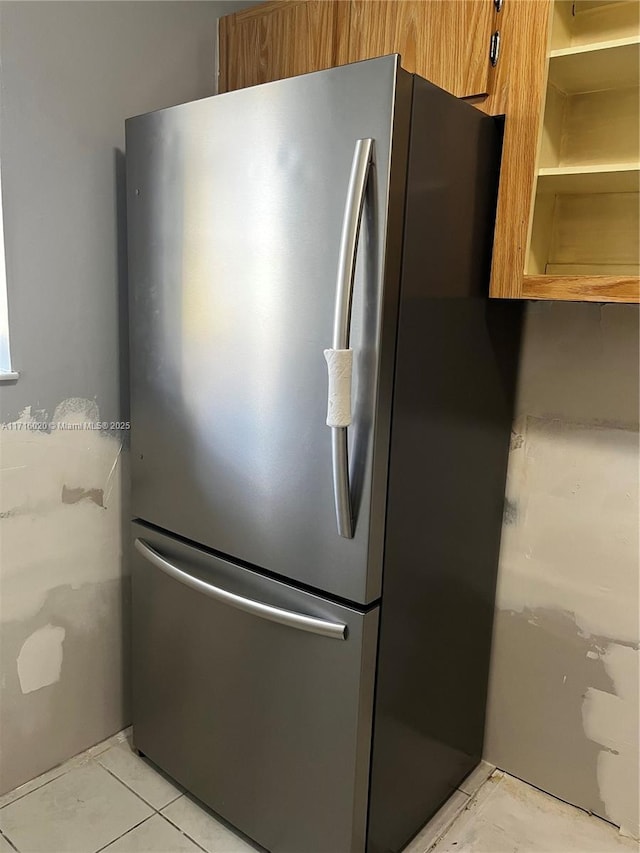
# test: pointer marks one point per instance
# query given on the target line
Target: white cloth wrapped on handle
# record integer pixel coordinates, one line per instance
(340, 365)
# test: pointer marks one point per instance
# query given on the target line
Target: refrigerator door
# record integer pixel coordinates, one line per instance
(241, 209)
(253, 695)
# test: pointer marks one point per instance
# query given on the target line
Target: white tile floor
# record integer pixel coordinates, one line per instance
(108, 799)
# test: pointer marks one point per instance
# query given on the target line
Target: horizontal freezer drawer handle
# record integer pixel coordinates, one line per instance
(256, 608)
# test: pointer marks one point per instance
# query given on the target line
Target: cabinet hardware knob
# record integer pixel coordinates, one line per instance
(494, 48)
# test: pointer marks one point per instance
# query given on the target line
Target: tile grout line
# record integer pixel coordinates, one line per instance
(9, 841)
(252, 845)
(156, 810)
(75, 761)
(37, 788)
(433, 843)
(94, 758)
(451, 822)
(471, 798)
(139, 796)
(131, 828)
(179, 828)
(488, 772)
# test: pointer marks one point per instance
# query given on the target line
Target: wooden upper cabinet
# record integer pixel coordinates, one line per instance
(567, 223)
(584, 237)
(276, 40)
(446, 41)
(567, 82)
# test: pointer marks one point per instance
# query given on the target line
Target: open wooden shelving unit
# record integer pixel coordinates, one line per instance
(567, 82)
(584, 240)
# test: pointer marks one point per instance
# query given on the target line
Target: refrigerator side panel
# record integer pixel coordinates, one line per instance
(387, 330)
(452, 413)
(235, 210)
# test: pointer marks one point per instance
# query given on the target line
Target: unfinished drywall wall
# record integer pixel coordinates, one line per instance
(71, 73)
(563, 706)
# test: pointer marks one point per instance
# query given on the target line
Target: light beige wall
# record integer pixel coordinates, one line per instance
(563, 705)
(63, 592)
(71, 73)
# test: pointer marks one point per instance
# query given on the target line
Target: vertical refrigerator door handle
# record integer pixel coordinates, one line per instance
(339, 358)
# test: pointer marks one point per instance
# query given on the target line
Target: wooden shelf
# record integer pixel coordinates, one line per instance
(585, 230)
(607, 178)
(596, 67)
(582, 288)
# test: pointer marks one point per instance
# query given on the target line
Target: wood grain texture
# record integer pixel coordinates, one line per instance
(519, 92)
(581, 288)
(276, 40)
(446, 41)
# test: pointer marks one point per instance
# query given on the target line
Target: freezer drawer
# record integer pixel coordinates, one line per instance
(256, 696)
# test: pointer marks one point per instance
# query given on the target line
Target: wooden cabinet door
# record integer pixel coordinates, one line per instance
(276, 40)
(446, 41)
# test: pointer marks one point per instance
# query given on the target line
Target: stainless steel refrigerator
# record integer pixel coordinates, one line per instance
(315, 548)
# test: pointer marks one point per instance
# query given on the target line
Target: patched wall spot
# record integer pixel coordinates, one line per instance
(510, 515)
(542, 658)
(40, 658)
(72, 496)
(517, 440)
